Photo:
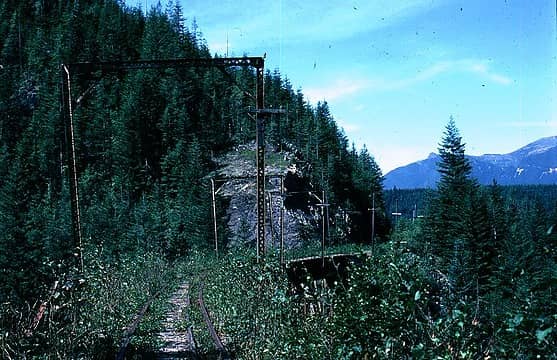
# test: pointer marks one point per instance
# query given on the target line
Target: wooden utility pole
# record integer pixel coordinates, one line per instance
(282, 221)
(372, 221)
(396, 214)
(260, 116)
(67, 115)
(323, 204)
(282, 234)
(87, 69)
(260, 160)
(213, 202)
(323, 227)
(271, 218)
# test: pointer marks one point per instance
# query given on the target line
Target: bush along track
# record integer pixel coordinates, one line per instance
(393, 305)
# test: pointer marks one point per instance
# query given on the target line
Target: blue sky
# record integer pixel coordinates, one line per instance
(393, 71)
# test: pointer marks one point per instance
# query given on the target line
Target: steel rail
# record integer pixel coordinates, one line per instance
(223, 353)
(130, 329)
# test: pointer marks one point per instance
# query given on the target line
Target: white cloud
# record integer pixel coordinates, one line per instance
(503, 80)
(474, 66)
(295, 21)
(220, 47)
(483, 70)
(338, 89)
(391, 157)
(341, 19)
(350, 85)
(420, 76)
(351, 128)
(348, 127)
(360, 107)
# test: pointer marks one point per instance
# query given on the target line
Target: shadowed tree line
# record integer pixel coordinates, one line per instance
(145, 141)
(489, 254)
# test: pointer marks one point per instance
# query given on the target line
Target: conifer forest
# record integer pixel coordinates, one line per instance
(471, 277)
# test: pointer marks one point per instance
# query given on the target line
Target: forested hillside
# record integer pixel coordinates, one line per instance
(412, 203)
(495, 254)
(472, 278)
(145, 141)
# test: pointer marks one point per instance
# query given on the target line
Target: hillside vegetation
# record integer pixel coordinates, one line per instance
(474, 279)
(145, 142)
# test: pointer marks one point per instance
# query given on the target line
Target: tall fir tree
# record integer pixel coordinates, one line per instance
(457, 227)
(445, 226)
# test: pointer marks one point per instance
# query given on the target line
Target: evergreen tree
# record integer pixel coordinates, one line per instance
(480, 244)
(445, 217)
(143, 139)
(458, 227)
(499, 231)
(368, 189)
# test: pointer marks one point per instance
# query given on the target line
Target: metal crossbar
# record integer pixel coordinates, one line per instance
(88, 68)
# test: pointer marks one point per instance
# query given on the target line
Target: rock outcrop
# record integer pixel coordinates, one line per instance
(236, 190)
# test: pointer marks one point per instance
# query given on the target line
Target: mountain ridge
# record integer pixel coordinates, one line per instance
(532, 164)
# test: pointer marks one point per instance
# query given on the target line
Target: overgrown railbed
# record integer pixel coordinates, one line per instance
(86, 316)
(395, 305)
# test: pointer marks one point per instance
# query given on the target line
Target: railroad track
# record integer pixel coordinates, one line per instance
(177, 333)
(221, 350)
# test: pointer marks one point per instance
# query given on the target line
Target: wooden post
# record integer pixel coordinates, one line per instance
(327, 234)
(260, 159)
(396, 214)
(373, 223)
(72, 163)
(215, 217)
(271, 218)
(323, 228)
(282, 221)
(282, 234)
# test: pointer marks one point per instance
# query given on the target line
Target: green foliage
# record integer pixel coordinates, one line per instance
(394, 305)
(446, 216)
(475, 279)
(144, 142)
(257, 316)
(85, 316)
(382, 313)
(492, 250)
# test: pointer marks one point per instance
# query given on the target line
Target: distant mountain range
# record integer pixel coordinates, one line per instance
(535, 163)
